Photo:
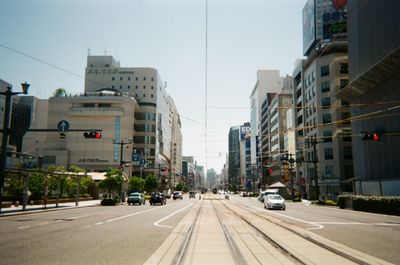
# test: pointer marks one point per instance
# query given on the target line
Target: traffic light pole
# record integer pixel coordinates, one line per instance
(315, 161)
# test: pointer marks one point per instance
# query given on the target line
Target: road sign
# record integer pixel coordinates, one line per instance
(63, 126)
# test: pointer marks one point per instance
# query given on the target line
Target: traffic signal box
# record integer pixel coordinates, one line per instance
(92, 134)
(366, 136)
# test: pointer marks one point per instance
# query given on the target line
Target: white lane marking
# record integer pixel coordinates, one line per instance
(99, 223)
(357, 223)
(317, 226)
(58, 221)
(24, 227)
(81, 216)
(44, 223)
(168, 216)
(132, 214)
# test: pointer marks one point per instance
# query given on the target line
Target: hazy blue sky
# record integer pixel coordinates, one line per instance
(169, 35)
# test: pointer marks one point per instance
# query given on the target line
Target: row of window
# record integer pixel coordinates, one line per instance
(129, 87)
(129, 78)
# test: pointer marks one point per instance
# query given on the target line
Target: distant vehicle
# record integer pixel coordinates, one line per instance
(215, 190)
(157, 197)
(136, 197)
(167, 195)
(192, 194)
(274, 201)
(177, 195)
(265, 193)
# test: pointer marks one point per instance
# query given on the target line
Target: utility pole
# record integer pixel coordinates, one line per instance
(121, 160)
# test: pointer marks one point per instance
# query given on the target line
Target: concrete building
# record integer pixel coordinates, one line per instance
(245, 172)
(109, 111)
(268, 81)
(158, 133)
(373, 92)
(274, 132)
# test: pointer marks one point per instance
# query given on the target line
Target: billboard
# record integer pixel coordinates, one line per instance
(245, 131)
(309, 32)
(334, 21)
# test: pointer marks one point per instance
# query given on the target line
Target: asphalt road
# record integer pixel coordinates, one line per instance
(375, 234)
(93, 235)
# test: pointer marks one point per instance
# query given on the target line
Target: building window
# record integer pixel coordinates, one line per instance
(343, 68)
(325, 86)
(144, 78)
(120, 78)
(346, 135)
(129, 78)
(298, 93)
(343, 83)
(144, 87)
(326, 103)
(300, 120)
(328, 153)
(348, 152)
(152, 96)
(88, 105)
(144, 95)
(326, 118)
(325, 70)
(129, 87)
(152, 87)
(329, 172)
(344, 103)
(136, 95)
(112, 86)
(136, 87)
(120, 87)
(327, 136)
(104, 105)
(113, 78)
(152, 79)
(346, 118)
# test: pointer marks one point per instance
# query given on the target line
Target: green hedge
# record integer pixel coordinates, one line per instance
(374, 204)
(109, 202)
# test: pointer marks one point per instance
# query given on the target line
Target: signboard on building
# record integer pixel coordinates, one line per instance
(309, 32)
(245, 131)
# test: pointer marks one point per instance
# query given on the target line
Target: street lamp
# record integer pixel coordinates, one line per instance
(6, 124)
(121, 159)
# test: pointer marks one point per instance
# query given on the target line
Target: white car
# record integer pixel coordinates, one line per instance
(274, 201)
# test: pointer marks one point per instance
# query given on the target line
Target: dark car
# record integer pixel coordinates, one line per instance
(136, 197)
(157, 197)
(177, 195)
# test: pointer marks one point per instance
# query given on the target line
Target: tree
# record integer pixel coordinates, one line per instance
(60, 92)
(113, 180)
(136, 184)
(151, 183)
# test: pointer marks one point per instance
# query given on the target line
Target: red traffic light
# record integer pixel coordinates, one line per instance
(92, 134)
(375, 137)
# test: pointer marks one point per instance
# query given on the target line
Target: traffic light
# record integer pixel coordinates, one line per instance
(366, 136)
(92, 134)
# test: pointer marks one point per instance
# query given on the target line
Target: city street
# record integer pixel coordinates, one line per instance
(375, 234)
(93, 235)
(131, 234)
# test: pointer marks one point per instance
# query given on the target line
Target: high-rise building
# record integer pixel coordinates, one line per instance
(324, 122)
(233, 156)
(157, 137)
(373, 94)
(274, 132)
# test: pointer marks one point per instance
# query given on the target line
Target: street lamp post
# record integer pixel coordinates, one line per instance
(4, 141)
(121, 159)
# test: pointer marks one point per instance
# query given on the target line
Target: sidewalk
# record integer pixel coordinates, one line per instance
(49, 207)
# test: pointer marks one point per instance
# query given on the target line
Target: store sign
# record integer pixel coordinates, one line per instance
(244, 131)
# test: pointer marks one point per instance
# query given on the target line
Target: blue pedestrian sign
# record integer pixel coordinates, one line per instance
(63, 126)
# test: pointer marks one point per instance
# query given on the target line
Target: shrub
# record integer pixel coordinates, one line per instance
(108, 202)
(374, 204)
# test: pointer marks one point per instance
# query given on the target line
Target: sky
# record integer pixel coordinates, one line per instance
(46, 43)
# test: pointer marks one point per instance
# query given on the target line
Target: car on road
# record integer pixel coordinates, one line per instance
(157, 197)
(265, 193)
(177, 195)
(274, 201)
(192, 195)
(135, 197)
